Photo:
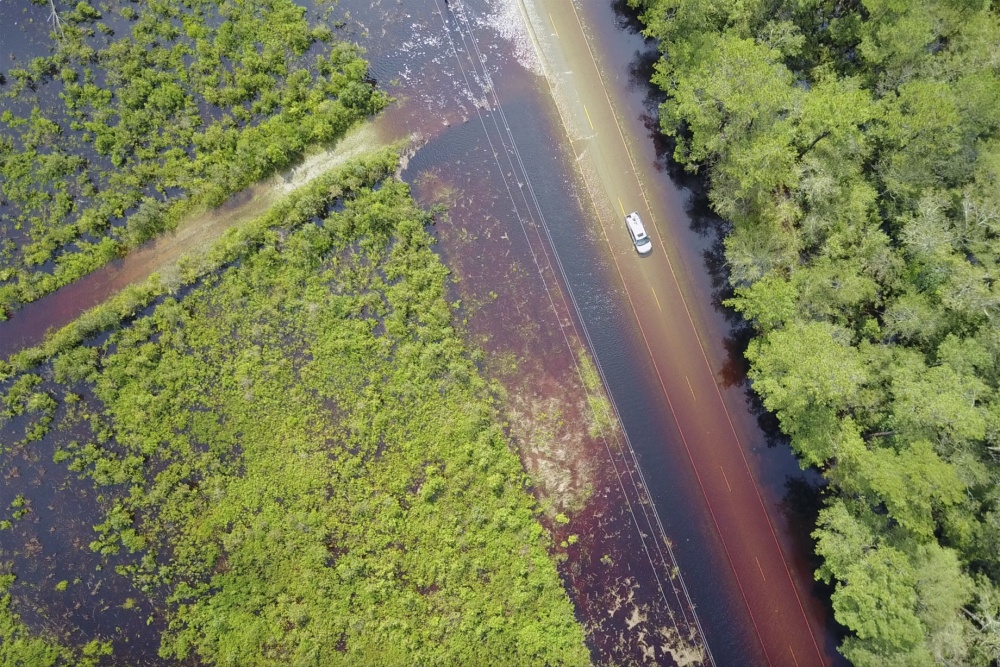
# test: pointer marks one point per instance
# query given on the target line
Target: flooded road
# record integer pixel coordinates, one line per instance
(773, 583)
(685, 536)
(735, 508)
(507, 178)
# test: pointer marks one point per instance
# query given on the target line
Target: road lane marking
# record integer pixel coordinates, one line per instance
(553, 25)
(690, 605)
(658, 303)
(794, 659)
(620, 202)
(760, 568)
(692, 389)
(588, 117)
(725, 478)
(701, 346)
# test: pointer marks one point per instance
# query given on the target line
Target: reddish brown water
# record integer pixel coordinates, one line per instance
(752, 494)
(731, 499)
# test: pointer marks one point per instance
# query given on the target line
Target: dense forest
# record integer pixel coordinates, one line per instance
(853, 149)
(140, 115)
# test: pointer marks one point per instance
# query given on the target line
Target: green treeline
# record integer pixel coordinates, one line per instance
(854, 148)
(302, 460)
(147, 111)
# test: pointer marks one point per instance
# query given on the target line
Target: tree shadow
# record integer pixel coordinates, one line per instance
(803, 490)
(804, 498)
(702, 220)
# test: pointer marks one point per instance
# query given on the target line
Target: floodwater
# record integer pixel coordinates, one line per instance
(690, 526)
(742, 551)
(28, 325)
(734, 503)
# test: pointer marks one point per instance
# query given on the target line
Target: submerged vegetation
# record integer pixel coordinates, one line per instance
(294, 458)
(300, 461)
(20, 647)
(143, 113)
(855, 149)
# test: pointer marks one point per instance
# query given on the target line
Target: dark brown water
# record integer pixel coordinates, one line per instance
(789, 495)
(510, 209)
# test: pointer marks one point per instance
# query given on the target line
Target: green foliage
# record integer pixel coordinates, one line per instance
(19, 647)
(156, 122)
(853, 146)
(301, 457)
(806, 373)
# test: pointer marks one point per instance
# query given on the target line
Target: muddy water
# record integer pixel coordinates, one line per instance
(731, 495)
(467, 83)
(692, 240)
(195, 234)
(507, 177)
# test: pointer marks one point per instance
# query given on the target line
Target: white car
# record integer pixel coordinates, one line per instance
(637, 231)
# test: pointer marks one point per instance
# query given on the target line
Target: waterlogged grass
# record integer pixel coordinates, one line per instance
(293, 210)
(601, 419)
(148, 111)
(20, 647)
(305, 465)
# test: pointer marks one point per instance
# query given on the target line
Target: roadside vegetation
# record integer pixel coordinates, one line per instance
(143, 113)
(300, 461)
(853, 147)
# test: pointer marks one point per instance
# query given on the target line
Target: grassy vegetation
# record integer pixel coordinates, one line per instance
(19, 647)
(302, 460)
(146, 112)
(855, 149)
(297, 462)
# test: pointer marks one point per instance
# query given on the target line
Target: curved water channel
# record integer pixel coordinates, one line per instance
(536, 125)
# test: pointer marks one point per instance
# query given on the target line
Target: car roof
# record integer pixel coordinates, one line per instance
(635, 224)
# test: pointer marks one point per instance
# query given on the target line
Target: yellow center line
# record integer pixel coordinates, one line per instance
(553, 25)
(588, 116)
(760, 568)
(622, 205)
(657, 300)
(692, 393)
(726, 478)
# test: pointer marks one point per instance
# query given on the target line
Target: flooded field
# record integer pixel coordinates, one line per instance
(536, 267)
(194, 235)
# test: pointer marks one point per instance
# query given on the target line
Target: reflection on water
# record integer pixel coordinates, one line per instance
(466, 80)
(507, 179)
